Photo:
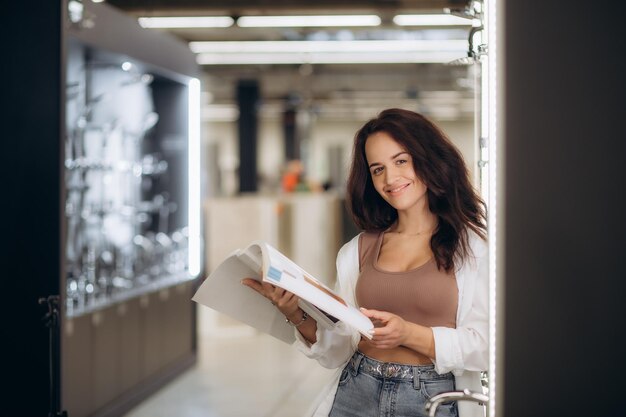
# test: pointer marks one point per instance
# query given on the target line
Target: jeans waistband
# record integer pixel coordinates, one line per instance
(361, 363)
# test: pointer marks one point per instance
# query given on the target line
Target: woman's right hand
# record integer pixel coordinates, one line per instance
(285, 301)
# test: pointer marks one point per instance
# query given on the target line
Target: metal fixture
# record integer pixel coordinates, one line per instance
(51, 321)
(473, 10)
(445, 397)
(473, 55)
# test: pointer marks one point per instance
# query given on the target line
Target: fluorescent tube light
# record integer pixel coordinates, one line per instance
(496, 210)
(430, 20)
(326, 58)
(244, 47)
(186, 22)
(193, 171)
(327, 52)
(308, 21)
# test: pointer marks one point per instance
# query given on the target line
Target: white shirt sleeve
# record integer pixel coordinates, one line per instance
(334, 347)
(466, 348)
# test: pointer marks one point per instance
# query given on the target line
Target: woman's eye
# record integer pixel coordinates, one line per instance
(401, 161)
(377, 171)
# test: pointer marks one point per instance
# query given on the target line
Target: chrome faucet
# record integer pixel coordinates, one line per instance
(444, 397)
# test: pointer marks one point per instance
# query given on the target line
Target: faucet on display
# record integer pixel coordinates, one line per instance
(444, 397)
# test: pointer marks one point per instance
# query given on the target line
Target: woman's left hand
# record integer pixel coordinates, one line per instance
(390, 330)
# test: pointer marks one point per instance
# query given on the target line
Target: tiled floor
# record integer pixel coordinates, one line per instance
(245, 375)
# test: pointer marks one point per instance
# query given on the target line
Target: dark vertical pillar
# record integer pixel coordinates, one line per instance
(30, 168)
(565, 270)
(292, 146)
(248, 96)
(172, 97)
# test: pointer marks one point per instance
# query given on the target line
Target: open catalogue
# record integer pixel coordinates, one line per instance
(223, 291)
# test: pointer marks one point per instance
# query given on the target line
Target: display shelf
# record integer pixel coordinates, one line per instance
(163, 283)
(131, 241)
(131, 124)
(110, 357)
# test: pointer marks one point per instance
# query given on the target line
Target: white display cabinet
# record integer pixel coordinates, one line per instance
(131, 244)
(130, 196)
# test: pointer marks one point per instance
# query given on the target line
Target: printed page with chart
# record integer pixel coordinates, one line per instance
(222, 291)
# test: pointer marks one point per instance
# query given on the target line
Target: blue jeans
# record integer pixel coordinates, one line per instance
(371, 388)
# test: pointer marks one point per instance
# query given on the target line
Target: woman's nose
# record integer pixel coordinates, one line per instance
(391, 173)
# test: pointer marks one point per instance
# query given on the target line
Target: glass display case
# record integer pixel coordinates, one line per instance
(132, 201)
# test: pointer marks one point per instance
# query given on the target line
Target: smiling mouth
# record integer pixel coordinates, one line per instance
(397, 189)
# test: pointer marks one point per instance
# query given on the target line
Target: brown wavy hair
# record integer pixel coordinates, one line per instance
(440, 166)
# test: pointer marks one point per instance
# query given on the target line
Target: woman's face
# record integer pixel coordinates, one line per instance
(393, 174)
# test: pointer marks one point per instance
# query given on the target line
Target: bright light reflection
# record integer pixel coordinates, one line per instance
(373, 46)
(326, 58)
(492, 114)
(328, 52)
(308, 21)
(194, 191)
(430, 20)
(186, 22)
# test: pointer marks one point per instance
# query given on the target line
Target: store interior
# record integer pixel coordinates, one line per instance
(156, 144)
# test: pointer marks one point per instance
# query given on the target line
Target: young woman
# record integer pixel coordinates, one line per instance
(419, 271)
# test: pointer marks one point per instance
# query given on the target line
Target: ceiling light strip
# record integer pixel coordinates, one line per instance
(326, 58)
(309, 21)
(245, 47)
(430, 20)
(172, 22)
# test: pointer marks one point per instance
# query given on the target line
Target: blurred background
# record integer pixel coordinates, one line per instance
(194, 128)
(151, 138)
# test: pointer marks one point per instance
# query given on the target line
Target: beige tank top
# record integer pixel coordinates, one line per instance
(424, 295)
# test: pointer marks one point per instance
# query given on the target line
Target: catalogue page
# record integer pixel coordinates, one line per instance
(222, 291)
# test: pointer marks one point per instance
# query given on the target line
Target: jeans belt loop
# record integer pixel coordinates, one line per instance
(416, 378)
(356, 363)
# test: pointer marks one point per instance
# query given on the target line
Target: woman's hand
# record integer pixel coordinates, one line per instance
(390, 330)
(285, 301)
